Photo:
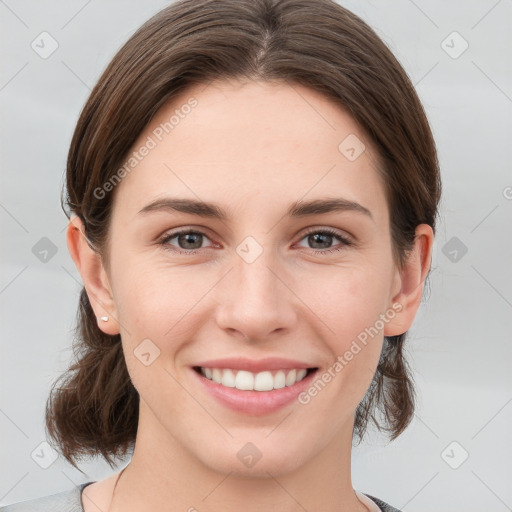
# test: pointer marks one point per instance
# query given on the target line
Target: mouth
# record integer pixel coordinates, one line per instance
(254, 393)
(244, 380)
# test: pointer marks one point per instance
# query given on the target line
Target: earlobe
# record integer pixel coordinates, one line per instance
(94, 276)
(411, 282)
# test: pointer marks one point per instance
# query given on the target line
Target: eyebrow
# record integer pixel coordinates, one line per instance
(297, 209)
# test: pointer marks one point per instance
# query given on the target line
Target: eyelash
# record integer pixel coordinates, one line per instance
(324, 231)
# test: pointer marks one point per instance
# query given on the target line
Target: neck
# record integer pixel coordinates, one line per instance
(163, 475)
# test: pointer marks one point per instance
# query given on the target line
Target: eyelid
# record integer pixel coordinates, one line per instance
(343, 235)
(168, 235)
(345, 241)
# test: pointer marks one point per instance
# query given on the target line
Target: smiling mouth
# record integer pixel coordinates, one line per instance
(243, 380)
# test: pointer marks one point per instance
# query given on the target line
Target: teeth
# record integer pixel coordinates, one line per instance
(290, 378)
(228, 379)
(279, 380)
(244, 380)
(217, 376)
(248, 381)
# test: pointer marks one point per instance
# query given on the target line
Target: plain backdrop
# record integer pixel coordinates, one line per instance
(457, 453)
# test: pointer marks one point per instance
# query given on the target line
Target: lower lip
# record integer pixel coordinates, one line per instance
(255, 403)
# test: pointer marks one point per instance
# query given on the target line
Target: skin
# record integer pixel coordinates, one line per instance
(253, 148)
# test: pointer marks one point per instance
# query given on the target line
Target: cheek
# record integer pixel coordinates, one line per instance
(155, 306)
(347, 299)
(349, 302)
(152, 299)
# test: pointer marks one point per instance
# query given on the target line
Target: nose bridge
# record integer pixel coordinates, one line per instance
(256, 285)
(255, 301)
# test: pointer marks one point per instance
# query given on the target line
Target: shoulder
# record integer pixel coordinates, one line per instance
(384, 507)
(66, 501)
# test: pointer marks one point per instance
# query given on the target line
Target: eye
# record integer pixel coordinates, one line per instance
(191, 241)
(188, 241)
(322, 238)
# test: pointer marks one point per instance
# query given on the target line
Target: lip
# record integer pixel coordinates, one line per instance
(255, 366)
(253, 403)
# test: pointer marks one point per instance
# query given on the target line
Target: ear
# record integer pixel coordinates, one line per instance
(94, 276)
(409, 282)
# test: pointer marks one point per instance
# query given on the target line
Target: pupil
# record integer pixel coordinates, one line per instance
(189, 238)
(317, 237)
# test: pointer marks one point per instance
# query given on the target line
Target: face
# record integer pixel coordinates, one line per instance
(264, 280)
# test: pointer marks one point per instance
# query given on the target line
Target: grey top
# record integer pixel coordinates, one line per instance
(66, 501)
(70, 501)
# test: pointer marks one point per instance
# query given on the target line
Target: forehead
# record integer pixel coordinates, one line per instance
(247, 144)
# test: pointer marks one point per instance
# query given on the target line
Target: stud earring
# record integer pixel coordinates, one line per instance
(104, 318)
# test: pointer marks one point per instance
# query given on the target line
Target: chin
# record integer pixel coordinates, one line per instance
(253, 459)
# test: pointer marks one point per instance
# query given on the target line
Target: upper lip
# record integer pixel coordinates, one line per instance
(253, 365)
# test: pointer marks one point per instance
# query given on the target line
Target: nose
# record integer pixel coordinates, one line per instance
(255, 301)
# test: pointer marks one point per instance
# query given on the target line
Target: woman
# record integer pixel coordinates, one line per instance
(252, 189)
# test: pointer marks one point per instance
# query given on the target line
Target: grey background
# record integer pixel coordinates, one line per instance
(460, 344)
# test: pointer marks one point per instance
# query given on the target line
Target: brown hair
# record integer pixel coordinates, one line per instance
(315, 43)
